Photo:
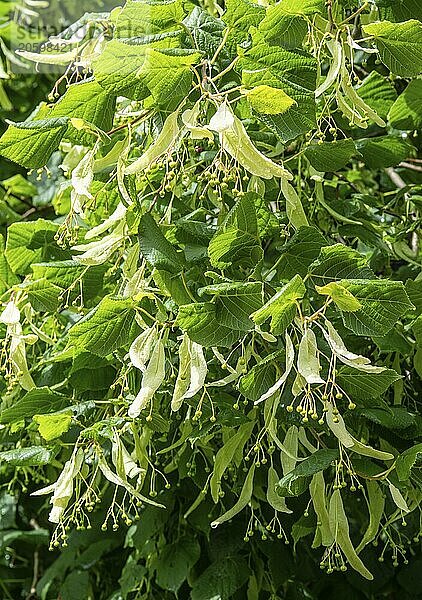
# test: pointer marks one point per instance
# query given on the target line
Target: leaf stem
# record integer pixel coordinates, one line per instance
(355, 14)
(226, 70)
(221, 46)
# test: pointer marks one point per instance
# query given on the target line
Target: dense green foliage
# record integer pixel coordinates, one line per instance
(211, 294)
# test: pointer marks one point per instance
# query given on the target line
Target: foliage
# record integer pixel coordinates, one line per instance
(211, 329)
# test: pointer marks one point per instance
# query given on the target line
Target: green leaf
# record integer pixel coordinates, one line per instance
(202, 324)
(281, 308)
(71, 274)
(364, 386)
(393, 341)
(206, 30)
(378, 93)
(168, 78)
(243, 216)
(236, 302)
(303, 526)
(132, 573)
(406, 112)
(33, 456)
(279, 27)
(406, 461)
(106, 328)
(417, 361)
(192, 232)
(303, 7)
(175, 561)
(172, 285)
(54, 425)
(76, 585)
(399, 45)
(155, 247)
(33, 537)
(296, 481)
(417, 329)
(130, 58)
(144, 17)
(339, 262)
(269, 100)
(31, 143)
(396, 417)
(331, 156)
(122, 81)
(340, 295)
(37, 401)
(386, 151)
(221, 579)
(384, 302)
(400, 10)
(260, 378)
(91, 372)
(44, 296)
(31, 242)
(267, 221)
(294, 73)
(284, 22)
(88, 101)
(236, 241)
(299, 252)
(243, 14)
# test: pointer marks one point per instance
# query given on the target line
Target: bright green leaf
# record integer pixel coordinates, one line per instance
(399, 45)
(54, 425)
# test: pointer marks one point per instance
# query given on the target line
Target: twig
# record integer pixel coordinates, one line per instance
(407, 165)
(355, 14)
(28, 213)
(129, 123)
(395, 178)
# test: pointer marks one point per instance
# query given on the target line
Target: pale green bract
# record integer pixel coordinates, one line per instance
(152, 379)
(164, 143)
(235, 140)
(308, 364)
(63, 488)
(340, 530)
